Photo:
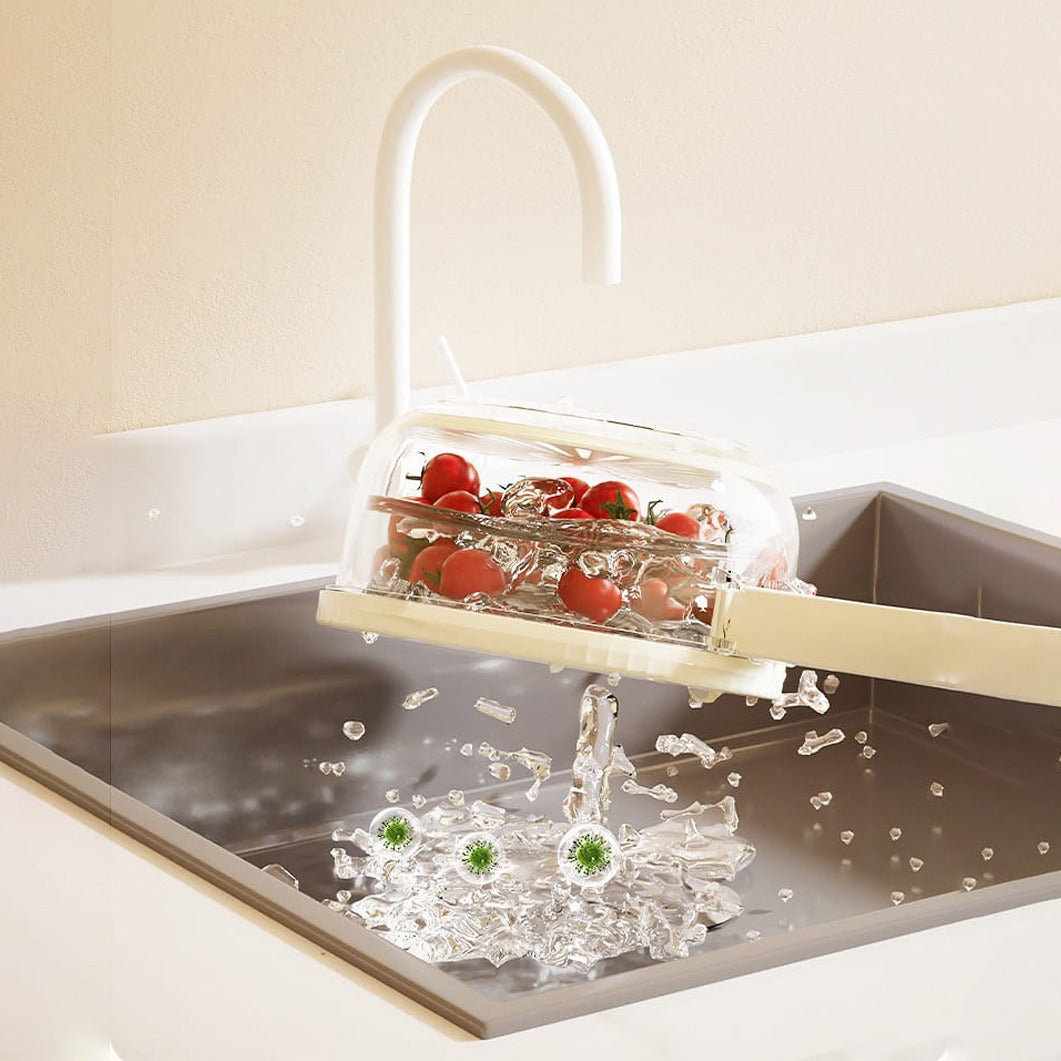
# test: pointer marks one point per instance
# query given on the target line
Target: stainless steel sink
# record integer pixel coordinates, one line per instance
(199, 730)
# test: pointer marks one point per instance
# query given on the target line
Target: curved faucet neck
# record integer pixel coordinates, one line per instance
(594, 167)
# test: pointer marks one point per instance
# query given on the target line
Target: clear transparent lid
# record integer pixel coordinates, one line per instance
(595, 540)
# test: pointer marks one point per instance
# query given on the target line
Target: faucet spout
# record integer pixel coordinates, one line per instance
(594, 167)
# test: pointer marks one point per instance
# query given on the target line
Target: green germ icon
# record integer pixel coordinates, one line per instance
(479, 858)
(588, 855)
(395, 833)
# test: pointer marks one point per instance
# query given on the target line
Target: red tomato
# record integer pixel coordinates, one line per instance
(571, 513)
(611, 500)
(460, 501)
(655, 601)
(679, 523)
(703, 608)
(427, 567)
(595, 598)
(447, 472)
(579, 486)
(469, 571)
(491, 502)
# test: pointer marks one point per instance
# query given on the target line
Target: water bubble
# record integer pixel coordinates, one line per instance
(1042, 846)
(868, 751)
(861, 737)
(588, 854)
(812, 743)
(297, 521)
(785, 894)
(987, 853)
(395, 833)
(968, 883)
(936, 789)
(897, 898)
(391, 795)
(614, 678)
(353, 730)
(502, 771)
(479, 858)
(418, 698)
(734, 779)
(895, 832)
(916, 863)
(808, 515)
(936, 728)
(419, 801)
(456, 797)
(847, 836)
(831, 684)
(369, 637)
(492, 709)
(467, 749)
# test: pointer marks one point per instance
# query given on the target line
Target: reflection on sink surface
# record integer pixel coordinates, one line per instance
(218, 719)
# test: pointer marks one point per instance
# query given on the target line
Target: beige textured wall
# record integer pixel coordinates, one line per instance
(185, 194)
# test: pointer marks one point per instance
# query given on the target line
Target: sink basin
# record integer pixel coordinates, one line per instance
(200, 729)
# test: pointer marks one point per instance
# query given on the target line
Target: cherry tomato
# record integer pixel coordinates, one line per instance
(703, 608)
(427, 567)
(571, 513)
(679, 523)
(491, 503)
(395, 537)
(655, 601)
(611, 500)
(460, 501)
(579, 486)
(597, 599)
(447, 472)
(469, 571)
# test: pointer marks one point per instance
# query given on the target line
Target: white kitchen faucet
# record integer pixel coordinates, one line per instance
(598, 188)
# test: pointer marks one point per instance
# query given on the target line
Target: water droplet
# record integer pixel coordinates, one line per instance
(695, 702)
(861, 737)
(847, 836)
(416, 699)
(353, 730)
(614, 678)
(895, 832)
(751, 701)
(987, 853)
(492, 709)
(277, 872)
(916, 863)
(936, 728)
(816, 803)
(936, 789)
(555, 668)
(297, 521)
(808, 514)
(672, 771)
(868, 751)
(733, 779)
(391, 795)
(812, 743)
(753, 935)
(1042, 846)
(153, 514)
(369, 637)
(502, 771)
(467, 750)
(777, 712)
(456, 797)
(419, 801)
(968, 883)
(343, 896)
(937, 830)
(785, 894)
(897, 898)
(325, 768)
(831, 684)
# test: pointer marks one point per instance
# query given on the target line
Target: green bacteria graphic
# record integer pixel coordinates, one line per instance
(395, 833)
(479, 858)
(588, 855)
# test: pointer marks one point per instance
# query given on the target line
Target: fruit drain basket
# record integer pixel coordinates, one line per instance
(564, 539)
